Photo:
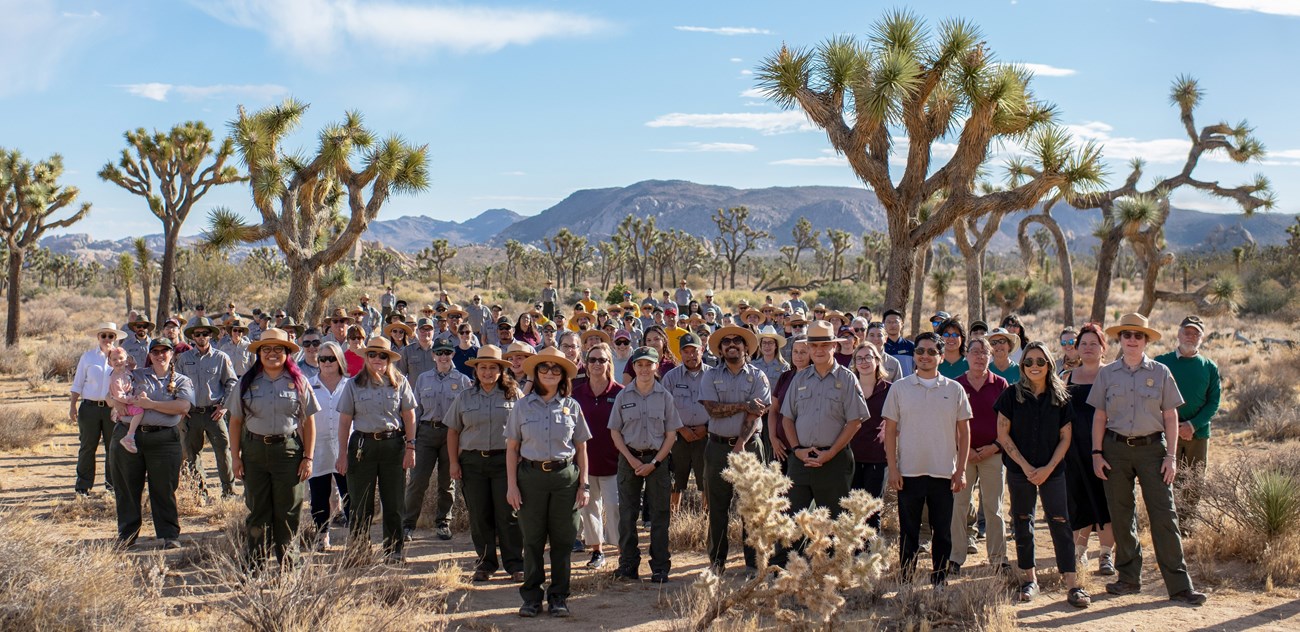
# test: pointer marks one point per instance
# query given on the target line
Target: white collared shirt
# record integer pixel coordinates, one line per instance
(92, 376)
(327, 427)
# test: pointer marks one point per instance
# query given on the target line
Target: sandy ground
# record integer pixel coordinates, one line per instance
(41, 479)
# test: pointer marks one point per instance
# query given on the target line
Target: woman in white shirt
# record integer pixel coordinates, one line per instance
(93, 416)
(328, 386)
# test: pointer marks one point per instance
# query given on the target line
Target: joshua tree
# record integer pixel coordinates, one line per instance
(30, 195)
(1045, 219)
(144, 262)
(861, 93)
(436, 257)
(735, 237)
(168, 170)
(301, 199)
(126, 276)
(940, 283)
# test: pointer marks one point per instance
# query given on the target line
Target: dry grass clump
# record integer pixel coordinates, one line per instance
(13, 361)
(688, 529)
(91, 508)
(42, 321)
(1250, 511)
(976, 604)
(1275, 421)
(58, 360)
(47, 584)
(26, 427)
(1249, 389)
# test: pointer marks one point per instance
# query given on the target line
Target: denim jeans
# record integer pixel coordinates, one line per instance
(1024, 497)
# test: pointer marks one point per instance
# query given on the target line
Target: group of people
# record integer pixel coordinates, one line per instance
(564, 430)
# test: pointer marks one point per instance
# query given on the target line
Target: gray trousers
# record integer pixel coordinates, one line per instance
(94, 424)
(1142, 463)
(430, 455)
(657, 489)
(194, 427)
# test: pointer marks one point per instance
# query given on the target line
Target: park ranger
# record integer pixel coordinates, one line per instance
(417, 357)
(137, 345)
(480, 317)
(236, 347)
(683, 383)
(214, 377)
(455, 316)
(434, 391)
(736, 395)
(643, 424)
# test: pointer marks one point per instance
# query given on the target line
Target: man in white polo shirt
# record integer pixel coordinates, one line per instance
(927, 441)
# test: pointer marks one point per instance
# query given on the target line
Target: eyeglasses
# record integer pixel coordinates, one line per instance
(279, 315)
(622, 343)
(1137, 335)
(310, 343)
(731, 340)
(866, 358)
(1068, 342)
(1034, 362)
(376, 354)
(442, 353)
(326, 359)
(107, 336)
(597, 360)
(926, 351)
(341, 321)
(549, 367)
(159, 351)
(997, 342)
(504, 328)
(569, 346)
(273, 350)
(952, 334)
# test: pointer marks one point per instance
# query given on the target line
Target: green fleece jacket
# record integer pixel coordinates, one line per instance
(1198, 380)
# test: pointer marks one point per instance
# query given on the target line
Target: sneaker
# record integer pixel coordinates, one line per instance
(128, 442)
(954, 569)
(171, 544)
(578, 546)
(1122, 588)
(626, 575)
(597, 560)
(923, 549)
(558, 609)
(1105, 565)
(971, 549)
(408, 534)
(1027, 592)
(443, 532)
(1079, 598)
(659, 578)
(1189, 596)
(323, 542)
(530, 609)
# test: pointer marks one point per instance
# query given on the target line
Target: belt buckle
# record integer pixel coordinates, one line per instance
(267, 439)
(1129, 441)
(546, 466)
(484, 453)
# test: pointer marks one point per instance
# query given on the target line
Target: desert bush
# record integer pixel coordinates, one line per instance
(1259, 493)
(47, 584)
(1041, 299)
(982, 603)
(41, 321)
(846, 297)
(25, 428)
(615, 294)
(1256, 389)
(91, 508)
(1266, 297)
(1275, 421)
(13, 361)
(58, 360)
(689, 530)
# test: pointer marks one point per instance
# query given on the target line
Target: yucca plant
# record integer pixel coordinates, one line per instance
(1274, 502)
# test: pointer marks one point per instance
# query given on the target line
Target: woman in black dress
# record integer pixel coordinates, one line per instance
(1088, 511)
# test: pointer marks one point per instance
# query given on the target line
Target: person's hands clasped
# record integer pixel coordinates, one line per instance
(1185, 431)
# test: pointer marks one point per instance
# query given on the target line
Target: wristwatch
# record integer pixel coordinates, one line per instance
(1098, 452)
(655, 463)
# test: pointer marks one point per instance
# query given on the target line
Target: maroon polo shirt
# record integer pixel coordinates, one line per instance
(602, 456)
(778, 394)
(984, 422)
(844, 359)
(869, 442)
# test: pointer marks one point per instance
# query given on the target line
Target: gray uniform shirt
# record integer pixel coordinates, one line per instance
(147, 383)
(272, 406)
(683, 296)
(240, 358)
(455, 338)
(822, 406)
(138, 350)
(480, 418)
(548, 295)
(771, 368)
(547, 431)
(415, 360)
(644, 420)
(1134, 399)
(435, 391)
(212, 374)
(684, 386)
(376, 408)
(480, 317)
(724, 387)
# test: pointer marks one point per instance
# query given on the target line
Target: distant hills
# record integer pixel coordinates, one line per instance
(596, 213)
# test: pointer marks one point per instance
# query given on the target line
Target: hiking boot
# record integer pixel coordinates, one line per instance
(558, 609)
(623, 574)
(1189, 597)
(443, 532)
(1122, 588)
(659, 578)
(530, 609)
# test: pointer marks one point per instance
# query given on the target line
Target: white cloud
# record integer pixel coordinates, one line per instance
(1272, 7)
(1156, 150)
(1044, 70)
(753, 93)
(736, 60)
(766, 123)
(1195, 200)
(35, 39)
(828, 159)
(724, 30)
(939, 153)
(88, 16)
(730, 148)
(746, 72)
(312, 28)
(160, 91)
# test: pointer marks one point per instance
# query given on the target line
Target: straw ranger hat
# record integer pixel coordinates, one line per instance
(518, 347)
(340, 314)
(715, 340)
(822, 331)
(109, 328)
(1000, 332)
(405, 328)
(456, 310)
(798, 318)
(769, 333)
(552, 355)
(382, 345)
(1131, 322)
(273, 336)
(596, 333)
(490, 354)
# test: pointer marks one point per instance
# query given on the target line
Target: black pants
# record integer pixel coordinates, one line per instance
(377, 463)
(870, 477)
(720, 493)
(825, 486)
(157, 461)
(920, 493)
(493, 524)
(94, 424)
(1024, 495)
(657, 490)
(320, 498)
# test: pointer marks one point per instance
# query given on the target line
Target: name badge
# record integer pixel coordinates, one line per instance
(627, 406)
(680, 386)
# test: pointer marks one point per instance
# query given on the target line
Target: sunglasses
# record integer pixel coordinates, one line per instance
(1132, 334)
(952, 335)
(549, 367)
(327, 359)
(731, 340)
(358, 338)
(464, 332)
(999, 342)
(1040, 362)
(1068, 342)
(506, 328)
(273, 350)
(341, 321)
(376, 354)
(159, 351)
(597, 360)
(201, 334)
(859, 329)
(311, 343)
(279, 315)
(927, 351)
(442, 353)
(622, 343)
(107, 336)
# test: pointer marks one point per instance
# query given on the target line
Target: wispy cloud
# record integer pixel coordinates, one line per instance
(939, 152)
(736, 60)
(90, 15)
(729, 148)
(766, 122)
(513, 173)
(35, 39)
(1044, 70)
(160, 91)
(1271, 7)
(828, 159)
(724, 30)
(311, 28)
(753, 93)
(1155, 150)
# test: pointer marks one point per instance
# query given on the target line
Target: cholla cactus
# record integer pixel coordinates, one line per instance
(839, 554)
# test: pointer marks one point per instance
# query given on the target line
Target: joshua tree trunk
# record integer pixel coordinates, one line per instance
(1062, 258)
(14, 298)
(923, 258)
(1107, 254)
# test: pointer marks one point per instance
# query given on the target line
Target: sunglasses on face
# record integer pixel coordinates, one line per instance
(731, 340)
(376, 354)
(159, 351)
(621, 343)
(442, 353)
(1137, 335)
(1034, 362)
(1067, 342)
(311, 343)
(463, 332)
(279, 315)
(549, 367)
(859, 329)
(277, 350)
(327, 359)
(926, 351)
(952, 335)
(340, 321)
(597, 360)
(201, 334)
(506, 328)
(107, 336)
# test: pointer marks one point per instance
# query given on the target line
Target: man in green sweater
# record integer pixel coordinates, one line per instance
(1198, 380)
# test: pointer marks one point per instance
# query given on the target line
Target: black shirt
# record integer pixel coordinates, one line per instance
(1035, 426)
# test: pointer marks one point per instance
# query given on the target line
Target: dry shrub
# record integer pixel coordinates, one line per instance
(58, 360)
(1254, 387)
(47, 584)
(1250, 508)
(41, 321)
(92, 508)
(13, 361)
(688, 530)
(977, 604)
(1275, 421)
(26, 427)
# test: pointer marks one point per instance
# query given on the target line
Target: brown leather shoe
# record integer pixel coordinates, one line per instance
(481, 576)
(517, 576)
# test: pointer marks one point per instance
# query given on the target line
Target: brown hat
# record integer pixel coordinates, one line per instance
(519, 347)
(715, 340)
(798, 318)
(273, 337)
(1133, 322)
(455, 310)
(236, 324)
(822, 331)
(388, 331)
(382, 345)
(142, 321)
(340, 314)
(552, 355)
(288, 324)
(595, 333)
(490, 354)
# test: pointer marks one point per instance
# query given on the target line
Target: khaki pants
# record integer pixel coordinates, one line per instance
(989, 474)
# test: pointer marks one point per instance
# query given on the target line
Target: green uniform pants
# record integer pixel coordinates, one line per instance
(719, 492)
(657, 488)
(825, 485)
(94, 424)
(492, 522)
(273, 494)
(430, 455)
(194, 427)
(156, 461)
(1143, 464)
(374, 463)
(547, 515)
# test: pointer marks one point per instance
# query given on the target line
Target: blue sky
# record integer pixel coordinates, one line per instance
(522, 103)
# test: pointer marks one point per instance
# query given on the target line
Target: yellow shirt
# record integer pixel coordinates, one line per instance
(589, 305)
(674, 340)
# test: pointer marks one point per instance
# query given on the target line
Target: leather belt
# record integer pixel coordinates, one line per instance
(641, 453)
(203, 410)
(379, 436)
(485, 453)
(549, 466)
(1136, 440)
(436, 424)
(731, 441)
(153, 428)
(269, 439)
(95, 402)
